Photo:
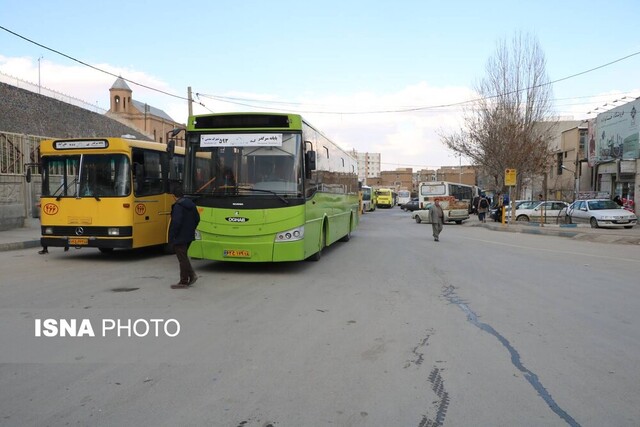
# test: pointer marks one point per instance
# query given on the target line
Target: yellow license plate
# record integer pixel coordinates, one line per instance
(75, 241)
(236, 253)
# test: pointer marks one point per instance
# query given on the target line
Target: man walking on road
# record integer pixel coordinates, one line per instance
(184, 220)
(437, 219)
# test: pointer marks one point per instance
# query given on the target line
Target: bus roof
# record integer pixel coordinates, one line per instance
(255, 121)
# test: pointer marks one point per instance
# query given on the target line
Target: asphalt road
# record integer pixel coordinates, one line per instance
(390, 329)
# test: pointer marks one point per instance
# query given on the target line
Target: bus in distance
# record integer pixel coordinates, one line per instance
(107, 193)
(385, 198)
(269, 188)
(454, 198)
(404, 196)
(368, 203)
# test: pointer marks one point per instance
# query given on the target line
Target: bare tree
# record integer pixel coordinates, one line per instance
(510, 125)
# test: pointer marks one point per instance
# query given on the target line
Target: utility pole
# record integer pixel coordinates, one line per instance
(190, 101)
(39, 74)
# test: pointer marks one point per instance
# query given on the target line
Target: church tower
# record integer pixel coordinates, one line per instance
(120, 97)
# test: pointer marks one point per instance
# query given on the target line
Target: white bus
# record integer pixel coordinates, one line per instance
(455, 199)
(404, 196)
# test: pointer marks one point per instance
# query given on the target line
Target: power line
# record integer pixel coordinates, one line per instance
(94, 67)
(421, 108)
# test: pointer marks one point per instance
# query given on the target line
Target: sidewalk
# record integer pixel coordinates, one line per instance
(21, 238)
(573, 231)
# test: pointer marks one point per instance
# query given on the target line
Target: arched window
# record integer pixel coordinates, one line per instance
(116, 101)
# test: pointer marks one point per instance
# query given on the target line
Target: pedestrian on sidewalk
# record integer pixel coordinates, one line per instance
(436, 215)
(483, 208)
(184, 220)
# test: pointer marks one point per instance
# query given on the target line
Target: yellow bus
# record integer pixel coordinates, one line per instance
(385, 198)
(107, 193)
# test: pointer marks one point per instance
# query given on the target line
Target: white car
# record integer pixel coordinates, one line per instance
(600, 213)
(533, 211)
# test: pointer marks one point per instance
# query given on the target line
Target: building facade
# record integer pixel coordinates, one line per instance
(368, 166)
(614, 149)
(400, 179)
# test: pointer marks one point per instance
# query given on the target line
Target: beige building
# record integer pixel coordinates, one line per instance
(400, 179)
(151, 121)
(569, 173)
(464, 174)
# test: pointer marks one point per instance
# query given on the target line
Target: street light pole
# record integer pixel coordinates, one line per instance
(575, 181)
(39, 74)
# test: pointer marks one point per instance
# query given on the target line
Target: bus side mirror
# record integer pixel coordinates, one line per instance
(311, 160)
(28, 167)
(309, 163)
(171, 147)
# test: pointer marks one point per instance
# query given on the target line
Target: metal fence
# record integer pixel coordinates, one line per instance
(16, 150)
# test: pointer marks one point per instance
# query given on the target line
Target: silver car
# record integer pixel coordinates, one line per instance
(600, 213)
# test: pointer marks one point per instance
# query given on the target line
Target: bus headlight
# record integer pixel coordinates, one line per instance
(48, 230)
(198, 236)
(290, 235)
(114, 231)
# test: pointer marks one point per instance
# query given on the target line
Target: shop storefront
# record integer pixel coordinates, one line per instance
(614, 150)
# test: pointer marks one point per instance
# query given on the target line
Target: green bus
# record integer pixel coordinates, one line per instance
(269, 188)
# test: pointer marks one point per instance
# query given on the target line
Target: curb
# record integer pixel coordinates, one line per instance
(570, 232)
(19, 245)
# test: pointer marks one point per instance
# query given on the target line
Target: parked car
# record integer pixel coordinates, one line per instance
(600, 213)
(411, 205)
(496, 214)
(551, 210)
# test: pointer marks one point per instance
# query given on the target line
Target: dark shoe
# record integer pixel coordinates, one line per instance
(180, 285)
(193, 280)
(44, 251)
(66, 248)
(436, 239)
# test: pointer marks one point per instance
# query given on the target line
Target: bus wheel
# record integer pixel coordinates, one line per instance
(105, 250)
(318, 255)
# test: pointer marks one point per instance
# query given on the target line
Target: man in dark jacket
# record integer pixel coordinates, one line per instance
(184, 220)
(437, 219)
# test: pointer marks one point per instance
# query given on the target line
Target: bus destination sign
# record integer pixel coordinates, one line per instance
(242, 140)
(80, 144)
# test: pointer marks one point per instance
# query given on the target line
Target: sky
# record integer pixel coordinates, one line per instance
(349, 67)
